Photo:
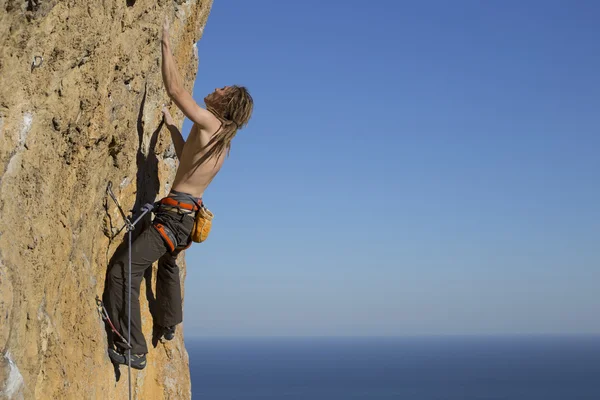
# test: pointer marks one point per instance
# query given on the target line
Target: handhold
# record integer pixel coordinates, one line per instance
(37, 62)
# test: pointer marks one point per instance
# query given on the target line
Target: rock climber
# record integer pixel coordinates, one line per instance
(228, 109)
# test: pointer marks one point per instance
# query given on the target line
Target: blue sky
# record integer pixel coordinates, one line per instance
(410, 168)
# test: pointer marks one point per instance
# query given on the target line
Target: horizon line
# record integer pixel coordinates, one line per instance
(406, 336)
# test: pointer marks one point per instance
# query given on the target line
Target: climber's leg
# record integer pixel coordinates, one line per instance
(168, 295)
(168, 284)
(148, 247)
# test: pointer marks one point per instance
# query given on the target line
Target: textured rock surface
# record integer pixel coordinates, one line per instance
(89, 114)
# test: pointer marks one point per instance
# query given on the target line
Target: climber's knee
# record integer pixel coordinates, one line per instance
(116, 273)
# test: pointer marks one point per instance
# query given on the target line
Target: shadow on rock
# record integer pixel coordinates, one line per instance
(147, 189)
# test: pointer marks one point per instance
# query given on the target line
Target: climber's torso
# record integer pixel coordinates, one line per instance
(197, 167)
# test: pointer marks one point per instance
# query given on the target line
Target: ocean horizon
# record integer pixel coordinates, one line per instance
(432, 367)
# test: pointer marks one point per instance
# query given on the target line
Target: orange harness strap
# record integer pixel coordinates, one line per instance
(172, 202)
(161, 229)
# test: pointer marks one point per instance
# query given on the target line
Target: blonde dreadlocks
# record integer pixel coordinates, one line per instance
(234, 109)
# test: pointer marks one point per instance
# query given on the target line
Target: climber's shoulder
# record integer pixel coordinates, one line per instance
(204, 119)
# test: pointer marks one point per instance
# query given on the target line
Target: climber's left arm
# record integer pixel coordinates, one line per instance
(175, 88)
(176, 137)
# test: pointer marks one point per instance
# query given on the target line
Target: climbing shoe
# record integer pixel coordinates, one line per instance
(138, 361)
(169, 333)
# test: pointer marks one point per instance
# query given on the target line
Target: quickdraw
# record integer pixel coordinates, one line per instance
(105, 317)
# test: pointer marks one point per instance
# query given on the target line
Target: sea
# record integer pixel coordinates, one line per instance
(419, 368)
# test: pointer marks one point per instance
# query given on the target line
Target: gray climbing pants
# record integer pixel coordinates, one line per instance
(147, 248)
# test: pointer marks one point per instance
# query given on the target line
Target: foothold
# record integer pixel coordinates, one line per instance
(37, 62)
(56, 123)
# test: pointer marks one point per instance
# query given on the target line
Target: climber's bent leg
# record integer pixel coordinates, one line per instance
(145, 250)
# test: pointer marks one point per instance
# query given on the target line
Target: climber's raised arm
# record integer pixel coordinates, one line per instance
(175, 88)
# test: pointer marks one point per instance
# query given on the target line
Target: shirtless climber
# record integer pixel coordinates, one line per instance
(200, 159)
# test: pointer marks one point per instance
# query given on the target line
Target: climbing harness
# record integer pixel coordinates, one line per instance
(202, 217)
(171, 204)
(130, 227)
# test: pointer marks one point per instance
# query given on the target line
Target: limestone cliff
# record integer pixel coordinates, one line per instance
(80, 99)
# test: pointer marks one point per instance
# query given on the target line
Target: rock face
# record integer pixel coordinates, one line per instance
(80, 106)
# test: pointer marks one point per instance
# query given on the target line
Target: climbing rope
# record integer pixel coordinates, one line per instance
(129, 231)
(130, 227)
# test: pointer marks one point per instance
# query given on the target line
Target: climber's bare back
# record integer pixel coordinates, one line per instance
(197, 167)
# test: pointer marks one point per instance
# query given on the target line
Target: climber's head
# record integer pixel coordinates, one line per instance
(231, 104)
